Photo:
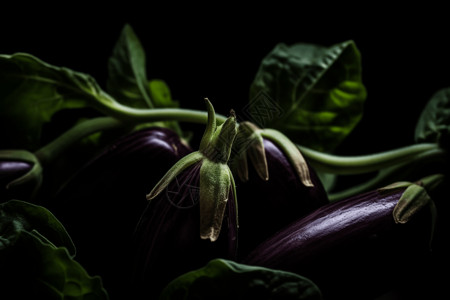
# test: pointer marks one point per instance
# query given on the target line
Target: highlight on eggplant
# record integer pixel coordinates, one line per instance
(278, 188)
(20, 175)
(354, 248)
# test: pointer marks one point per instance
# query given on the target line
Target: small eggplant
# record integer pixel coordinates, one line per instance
(10, 170)
(101, 205)
(357, 248)
(279, 189)
(191, 217)
(20, 175)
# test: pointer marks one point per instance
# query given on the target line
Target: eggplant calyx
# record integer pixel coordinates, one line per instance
(30, 181)
(174, 171)
(414, 197)
(412, 200)
(219, 147)
(216, 186)
(215, 191)
(292, 153)
(249, 142)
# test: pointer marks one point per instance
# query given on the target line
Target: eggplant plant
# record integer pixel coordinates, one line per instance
(142, 207)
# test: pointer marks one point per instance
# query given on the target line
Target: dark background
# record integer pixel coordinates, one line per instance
(215, 52)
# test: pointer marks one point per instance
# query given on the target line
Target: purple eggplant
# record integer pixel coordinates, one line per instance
(266, 206)
(191, 217)
(9, 171)
(167, 238)
(356, 248)
(279, 188)
(20, 175)
(101, 205)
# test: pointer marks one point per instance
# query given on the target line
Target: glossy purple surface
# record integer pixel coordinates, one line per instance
(351, 248)
(9, 171)
(267, 206)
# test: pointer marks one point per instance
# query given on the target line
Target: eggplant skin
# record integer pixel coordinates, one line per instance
(9, 171)
(167, 238)
(267, 206)
(352, 249)
(101, 205)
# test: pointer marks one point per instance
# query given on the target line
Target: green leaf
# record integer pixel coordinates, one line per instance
(224, 279)
(61, 275)
(160, 93)
(37, 257)
(312, 94)
(39, 269)
(16, 216)
(128, 83)
(127, 77)
(32, 91)
(434, 123)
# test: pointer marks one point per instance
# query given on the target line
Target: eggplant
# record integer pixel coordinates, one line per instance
(20, 175)
(279, 188)
(191, 217)
(167, 237)
(266, 206)
(9, 171)
(102, 203)
(357, 248)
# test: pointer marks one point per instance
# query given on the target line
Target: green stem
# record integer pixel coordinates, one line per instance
(52, 150)
(125, 115)
(112, 108)
(336, 164)
(402, 171)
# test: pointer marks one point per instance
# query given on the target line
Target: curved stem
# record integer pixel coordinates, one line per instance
(336, 164)
(125, 115)
(402, 171)
(64, 141)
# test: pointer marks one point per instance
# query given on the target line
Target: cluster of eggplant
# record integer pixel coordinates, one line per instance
(274, 216)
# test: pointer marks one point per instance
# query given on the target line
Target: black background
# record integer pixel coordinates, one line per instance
(214, 52)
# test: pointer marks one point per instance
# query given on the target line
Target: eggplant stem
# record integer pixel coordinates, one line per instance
(390, 173)
(336, 164)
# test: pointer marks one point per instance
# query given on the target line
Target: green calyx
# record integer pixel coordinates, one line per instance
(217, 141)
(216, 184)
(414, 199)
(250, 143)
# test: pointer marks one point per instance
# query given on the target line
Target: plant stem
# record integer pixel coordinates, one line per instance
(403, 171)
(126, 116)
(50, 151)
(336, 164)
(112, 108)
